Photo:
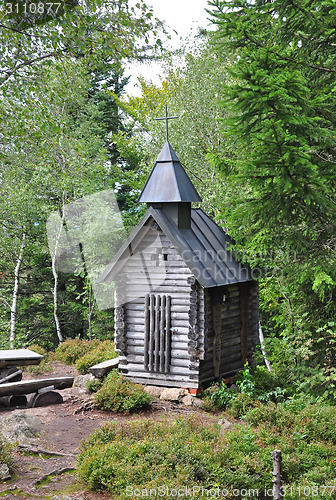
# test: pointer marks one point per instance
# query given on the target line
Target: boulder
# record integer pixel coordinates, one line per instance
(153, 390)
(18, 427)
(81, 381)
(224, 423)
(173, 394)
(188, 400)
(4, 472)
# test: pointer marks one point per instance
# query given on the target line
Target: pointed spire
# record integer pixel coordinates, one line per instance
(168, 181)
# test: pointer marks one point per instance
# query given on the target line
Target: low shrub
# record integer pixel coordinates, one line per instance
(71, 350)
(45, 364)
(94, 385)
(85, 353)
(101, 351)
(119, 395)
(122, 458)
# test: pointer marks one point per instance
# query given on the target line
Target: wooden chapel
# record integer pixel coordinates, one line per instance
(186, 312)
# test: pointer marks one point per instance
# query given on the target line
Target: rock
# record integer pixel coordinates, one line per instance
(81, 380)
(188, 400)
(4, 472)
(234, 388)
(198, 403)
(18, 427)
(173, 394)
(224, 423)
(154, 391)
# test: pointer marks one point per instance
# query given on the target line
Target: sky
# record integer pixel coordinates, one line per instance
(183, 16)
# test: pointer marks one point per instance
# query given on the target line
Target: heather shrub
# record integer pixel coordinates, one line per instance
(71, 350)
(102, 351)
(121, 458)
(119, 395)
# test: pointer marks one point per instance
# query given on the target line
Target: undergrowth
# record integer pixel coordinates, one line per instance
(122, 458)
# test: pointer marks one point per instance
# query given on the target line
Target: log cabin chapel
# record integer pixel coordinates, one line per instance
(186, 312)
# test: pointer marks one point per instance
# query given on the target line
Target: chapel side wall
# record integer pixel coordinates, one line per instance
(233, 346)
(230, 334)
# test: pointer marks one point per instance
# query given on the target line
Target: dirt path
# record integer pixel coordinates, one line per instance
(41, 475)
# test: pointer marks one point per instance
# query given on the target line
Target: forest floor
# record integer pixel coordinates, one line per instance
(39, 474)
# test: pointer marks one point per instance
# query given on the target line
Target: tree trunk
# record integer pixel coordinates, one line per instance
(16, 292)
(92, 304)
(262, 345)
(55, 273)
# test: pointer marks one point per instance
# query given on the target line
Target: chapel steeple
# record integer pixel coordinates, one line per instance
(168, 186)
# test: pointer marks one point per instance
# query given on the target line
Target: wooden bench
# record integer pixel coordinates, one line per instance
(13, 390)
(104, 367)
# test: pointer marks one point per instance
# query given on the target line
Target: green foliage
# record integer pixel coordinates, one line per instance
(101, 351)
(45, 364)
(191, 451)
(251, 387)
(119, 395)
(280, 206)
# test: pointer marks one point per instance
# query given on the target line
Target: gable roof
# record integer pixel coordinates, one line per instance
(168, 181)
(203, 247)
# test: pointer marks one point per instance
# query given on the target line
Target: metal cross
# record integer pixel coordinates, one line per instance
(166, 118)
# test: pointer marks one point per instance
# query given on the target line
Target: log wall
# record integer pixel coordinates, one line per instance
(156, 268)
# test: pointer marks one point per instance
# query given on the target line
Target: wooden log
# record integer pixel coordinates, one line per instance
(147, 328)
(162, 333)
(10, 375)
(151, 330)
(157, 333)
(13, 401)
(30, 386)
(165, 382)
(100, 369)
(45, 399)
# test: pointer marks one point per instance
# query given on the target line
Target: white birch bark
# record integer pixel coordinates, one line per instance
(263, 350)
(16, 292)
(55, 273)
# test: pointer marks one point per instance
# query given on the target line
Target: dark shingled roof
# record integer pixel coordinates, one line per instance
(168, 181)
(203, 247)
